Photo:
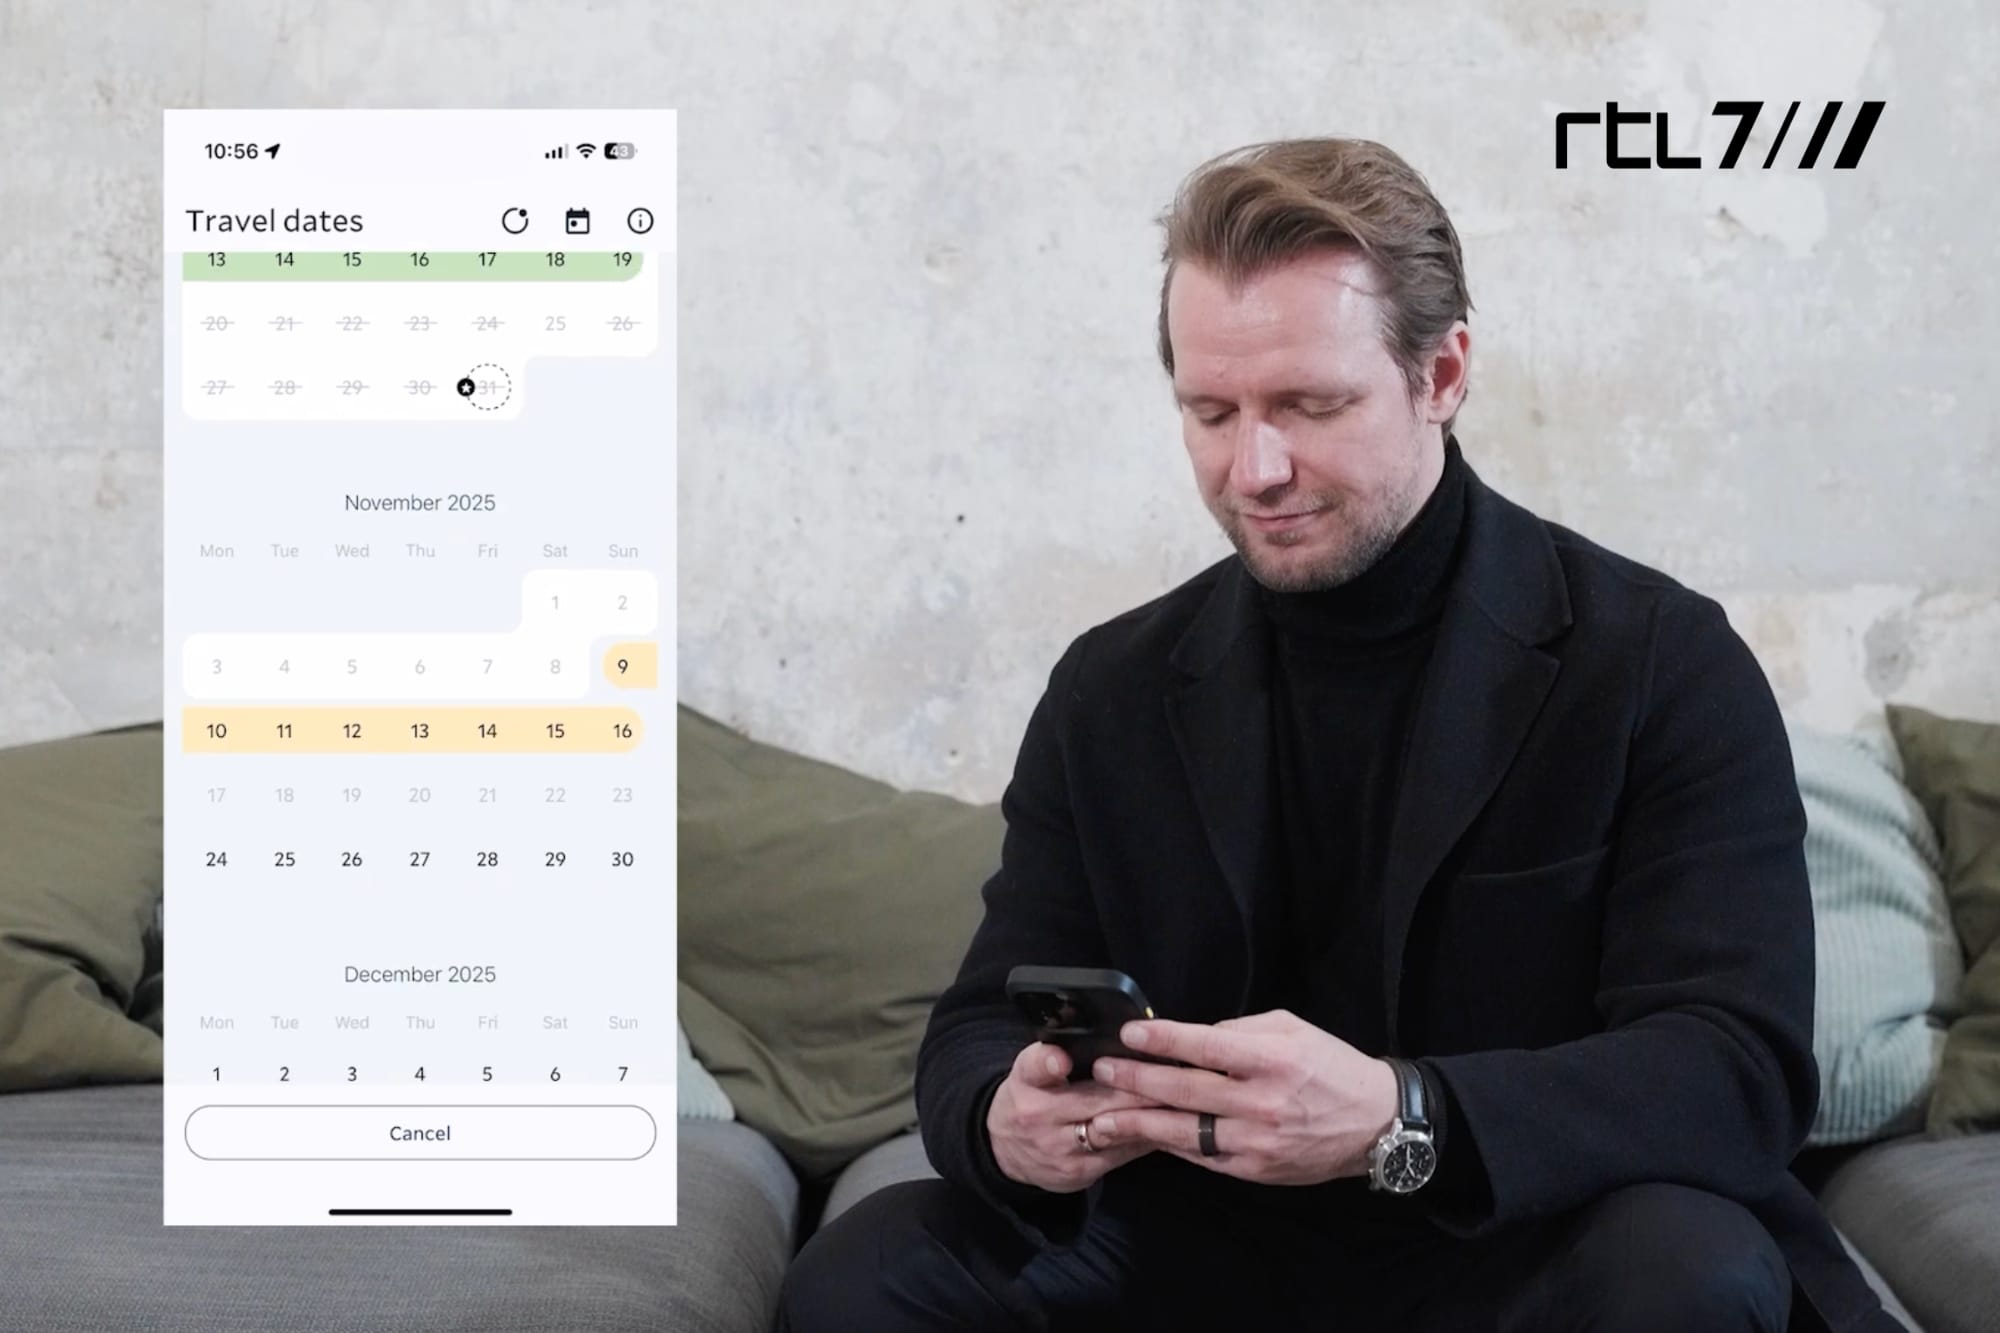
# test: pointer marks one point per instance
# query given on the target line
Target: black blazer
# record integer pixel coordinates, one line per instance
(1595, 919)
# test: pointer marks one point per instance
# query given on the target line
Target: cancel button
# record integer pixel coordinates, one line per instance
(399, 1134)
(442, 1132)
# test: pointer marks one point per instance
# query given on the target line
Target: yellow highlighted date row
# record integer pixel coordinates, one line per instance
(553, 729)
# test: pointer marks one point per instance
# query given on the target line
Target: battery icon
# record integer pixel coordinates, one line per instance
(619, 150)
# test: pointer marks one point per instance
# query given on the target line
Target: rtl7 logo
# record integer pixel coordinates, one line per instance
(1746, 117)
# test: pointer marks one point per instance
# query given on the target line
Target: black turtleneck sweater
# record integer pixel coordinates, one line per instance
(1348, 664)
(1349, 661)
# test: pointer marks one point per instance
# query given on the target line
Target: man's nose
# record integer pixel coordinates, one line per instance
(1263, 458)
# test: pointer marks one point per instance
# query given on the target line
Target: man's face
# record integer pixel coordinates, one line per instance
(1305, 440)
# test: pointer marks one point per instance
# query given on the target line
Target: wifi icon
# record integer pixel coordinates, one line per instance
(584, 150)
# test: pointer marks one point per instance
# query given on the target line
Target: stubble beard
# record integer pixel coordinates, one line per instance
(1355, 549)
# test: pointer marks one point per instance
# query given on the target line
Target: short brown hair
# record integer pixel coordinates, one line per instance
(1254, 208)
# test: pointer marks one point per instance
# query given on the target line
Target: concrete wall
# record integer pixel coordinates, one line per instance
(924, 439)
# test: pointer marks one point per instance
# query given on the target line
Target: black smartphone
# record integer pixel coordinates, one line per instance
(1081, 1010)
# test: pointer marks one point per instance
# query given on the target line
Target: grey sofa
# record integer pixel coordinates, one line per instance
(82, 1249)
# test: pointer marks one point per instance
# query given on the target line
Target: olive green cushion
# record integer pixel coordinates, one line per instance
(821, 914)
(1953, 766)
(79, 911)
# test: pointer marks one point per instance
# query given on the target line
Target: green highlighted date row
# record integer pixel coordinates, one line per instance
(410, 265)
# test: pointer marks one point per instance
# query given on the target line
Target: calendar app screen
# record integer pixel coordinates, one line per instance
(419, 411)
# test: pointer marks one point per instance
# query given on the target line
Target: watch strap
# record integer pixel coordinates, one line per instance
(1412, 1107)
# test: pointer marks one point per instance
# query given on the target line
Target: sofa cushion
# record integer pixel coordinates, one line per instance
(1954, 768)
(79, 899)
(81, 945)
(1888, 964)
(1926, 1211)
(1879, 1285)
(82, 1246)
(901, 1158)
(821, 915)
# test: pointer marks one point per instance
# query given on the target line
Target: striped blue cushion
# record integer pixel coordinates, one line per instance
(1889, 966)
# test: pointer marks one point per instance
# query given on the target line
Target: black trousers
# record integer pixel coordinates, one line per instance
(931, 1255)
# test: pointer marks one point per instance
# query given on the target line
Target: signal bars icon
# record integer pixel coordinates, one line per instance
(560, 150)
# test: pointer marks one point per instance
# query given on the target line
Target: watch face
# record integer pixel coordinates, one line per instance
(1408, 1165)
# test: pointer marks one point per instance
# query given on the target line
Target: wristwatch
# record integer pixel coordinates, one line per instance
(1404, 1158)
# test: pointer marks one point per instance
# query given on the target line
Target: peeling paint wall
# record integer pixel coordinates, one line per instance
(924, 438)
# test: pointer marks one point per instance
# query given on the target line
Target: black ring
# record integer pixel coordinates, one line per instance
(1205, 1132)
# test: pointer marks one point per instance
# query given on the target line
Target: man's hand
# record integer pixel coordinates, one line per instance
(1294, 1105)
(1032, 1123)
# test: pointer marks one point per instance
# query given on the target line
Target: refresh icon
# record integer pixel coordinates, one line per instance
(514, 221)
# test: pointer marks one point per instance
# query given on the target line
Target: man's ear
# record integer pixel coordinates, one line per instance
(1445, 377)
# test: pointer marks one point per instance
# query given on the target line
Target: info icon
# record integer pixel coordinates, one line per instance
(577, 222)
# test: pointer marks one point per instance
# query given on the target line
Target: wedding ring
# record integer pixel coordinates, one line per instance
(1205, 1132)
(1083, 1136)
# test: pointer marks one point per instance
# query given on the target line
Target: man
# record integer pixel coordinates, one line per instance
(1460, 856)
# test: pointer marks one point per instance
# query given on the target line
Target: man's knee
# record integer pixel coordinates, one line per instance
(1661, 1256)
(921, 1254)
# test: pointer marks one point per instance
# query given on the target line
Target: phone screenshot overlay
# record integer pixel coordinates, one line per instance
(419, 412)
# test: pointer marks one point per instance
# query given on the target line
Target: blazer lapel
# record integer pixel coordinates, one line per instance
(1486, 682)
(1221, 722)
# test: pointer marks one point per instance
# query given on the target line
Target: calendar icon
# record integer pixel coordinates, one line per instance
(419, 780)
